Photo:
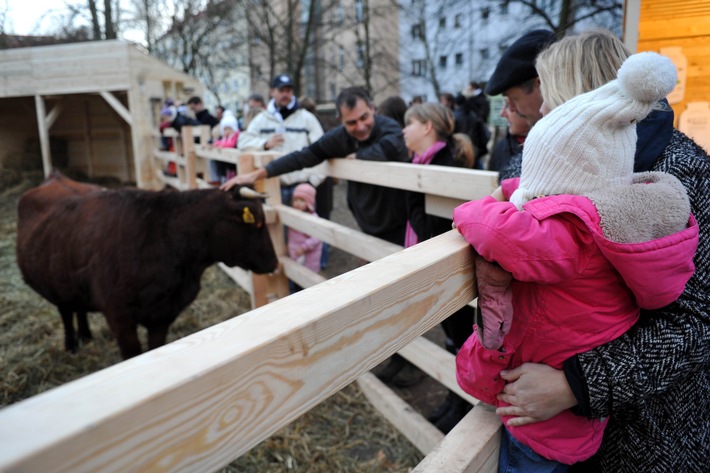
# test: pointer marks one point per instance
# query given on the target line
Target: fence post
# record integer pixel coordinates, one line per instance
(267, 288)
(188, 145)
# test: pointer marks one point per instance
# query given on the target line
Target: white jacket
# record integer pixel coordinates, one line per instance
(300, 129)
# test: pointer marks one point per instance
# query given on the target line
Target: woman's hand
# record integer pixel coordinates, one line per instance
(498, 194)
(535, 392)
(244, 179)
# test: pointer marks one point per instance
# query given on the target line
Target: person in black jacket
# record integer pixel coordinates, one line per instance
(201, 113)
(379, 211)
(467, 121)
(429, 134)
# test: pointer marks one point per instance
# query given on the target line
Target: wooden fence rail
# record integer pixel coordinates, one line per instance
(445, 187)
(203, 400)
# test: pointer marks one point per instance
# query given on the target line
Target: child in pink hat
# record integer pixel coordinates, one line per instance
(301, 247)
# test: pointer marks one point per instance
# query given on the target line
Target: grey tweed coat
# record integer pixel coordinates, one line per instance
(654, 381)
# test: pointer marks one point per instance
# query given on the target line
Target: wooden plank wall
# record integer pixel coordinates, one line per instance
(97, 137)
(65, 69)
(668, 23)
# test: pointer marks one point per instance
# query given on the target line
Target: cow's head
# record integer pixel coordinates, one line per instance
(241, 237)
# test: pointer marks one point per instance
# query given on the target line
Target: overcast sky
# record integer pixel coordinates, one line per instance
(24, 15)
(35, 17)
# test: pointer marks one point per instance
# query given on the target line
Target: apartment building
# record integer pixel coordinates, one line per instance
(448, 43)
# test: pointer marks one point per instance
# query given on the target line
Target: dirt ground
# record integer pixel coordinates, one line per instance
(343, 434)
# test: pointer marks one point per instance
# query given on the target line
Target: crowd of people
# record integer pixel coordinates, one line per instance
(592, 333)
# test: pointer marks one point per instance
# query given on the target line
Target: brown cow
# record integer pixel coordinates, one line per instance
(135, 255)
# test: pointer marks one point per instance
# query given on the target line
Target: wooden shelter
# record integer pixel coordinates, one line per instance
(680, 30)
(93, 107)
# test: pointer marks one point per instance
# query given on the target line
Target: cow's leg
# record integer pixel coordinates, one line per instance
(69, 335)
(157, 336)
(83, 326)
(124, 330)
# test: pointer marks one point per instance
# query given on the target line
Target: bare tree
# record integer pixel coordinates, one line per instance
(102, 22)
(570, 13)
(358, 45)
(280, 36)
(203, 40)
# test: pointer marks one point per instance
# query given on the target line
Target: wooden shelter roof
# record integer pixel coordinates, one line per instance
(82, 67)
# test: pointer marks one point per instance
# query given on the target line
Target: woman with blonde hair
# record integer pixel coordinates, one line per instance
(652, 382)
(429, 135)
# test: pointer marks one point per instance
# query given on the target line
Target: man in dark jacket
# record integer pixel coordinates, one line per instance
(379, 211)
(201, 113)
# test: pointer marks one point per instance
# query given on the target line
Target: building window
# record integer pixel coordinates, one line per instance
(484, 53)
(360, 56)
(341, 58)
(358, 10)
(485, 13)
(442, 62)
(418, 31)
(504, 8)
(419, 67)
(442, 22)
(459, 59)
(458, 21)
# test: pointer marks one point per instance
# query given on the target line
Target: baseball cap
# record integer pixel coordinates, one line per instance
(281, 80)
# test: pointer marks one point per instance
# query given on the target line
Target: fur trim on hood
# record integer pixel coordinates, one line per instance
(653, 206)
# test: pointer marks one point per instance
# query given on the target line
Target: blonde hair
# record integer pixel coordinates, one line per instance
(442, 121)
(578, 64)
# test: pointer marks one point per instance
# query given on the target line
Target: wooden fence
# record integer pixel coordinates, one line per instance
(240, 381)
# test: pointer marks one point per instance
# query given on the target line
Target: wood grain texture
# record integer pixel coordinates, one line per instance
(201, 401)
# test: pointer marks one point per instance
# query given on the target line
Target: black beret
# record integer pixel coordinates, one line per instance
(517, 64)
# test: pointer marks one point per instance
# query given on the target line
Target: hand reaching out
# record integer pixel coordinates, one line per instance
(244, 179)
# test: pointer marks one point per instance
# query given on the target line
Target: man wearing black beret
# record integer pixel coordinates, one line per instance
(516, 78)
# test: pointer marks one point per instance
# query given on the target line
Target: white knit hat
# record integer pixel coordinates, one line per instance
(228, 120)
(589, 142)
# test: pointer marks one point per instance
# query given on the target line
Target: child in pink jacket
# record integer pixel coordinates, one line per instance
(588, 243)
(301, 247)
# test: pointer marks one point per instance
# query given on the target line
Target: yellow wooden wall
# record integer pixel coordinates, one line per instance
(684, 23)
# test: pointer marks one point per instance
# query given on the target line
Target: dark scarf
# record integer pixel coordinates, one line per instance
(654, 133)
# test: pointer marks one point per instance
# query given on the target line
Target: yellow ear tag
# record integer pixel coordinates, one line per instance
(247, 216)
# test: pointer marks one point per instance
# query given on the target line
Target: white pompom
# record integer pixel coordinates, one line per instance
(647, 77)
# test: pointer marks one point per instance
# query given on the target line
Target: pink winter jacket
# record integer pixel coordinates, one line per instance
(312, 248)
(574, 289)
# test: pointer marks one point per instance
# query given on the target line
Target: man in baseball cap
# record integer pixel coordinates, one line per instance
(282, 80)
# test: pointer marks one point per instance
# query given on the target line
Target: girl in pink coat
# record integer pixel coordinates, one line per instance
(588, 243)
